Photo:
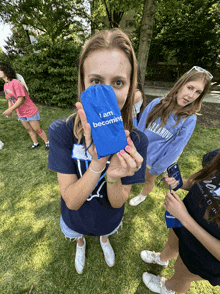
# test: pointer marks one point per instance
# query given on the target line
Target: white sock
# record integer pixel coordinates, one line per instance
(35, 144)
(142, 195)
(47, 143)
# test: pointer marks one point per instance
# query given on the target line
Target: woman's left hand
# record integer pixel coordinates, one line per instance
(175, 206)
(123, 163)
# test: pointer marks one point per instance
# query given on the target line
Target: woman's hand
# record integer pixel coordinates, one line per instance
(97, 163)
(175, 206)
(123, 163)
(170, 182)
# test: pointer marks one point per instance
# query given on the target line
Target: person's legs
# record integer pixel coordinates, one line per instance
(149, 182)
(107, 250)
(35, 124)
(80, 246)
(170, 251)
(182, 278)
(80, 254)
(31, 132)
(148, 187)
(171, 248)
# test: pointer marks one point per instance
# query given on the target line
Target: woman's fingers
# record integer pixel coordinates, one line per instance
(132, 160)
(85, 124)
(170, 181)
(137, 158)
(82, 114)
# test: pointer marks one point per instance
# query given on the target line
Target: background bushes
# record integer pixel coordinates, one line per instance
(51, 72)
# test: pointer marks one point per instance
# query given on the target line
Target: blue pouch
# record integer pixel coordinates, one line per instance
(104, 116)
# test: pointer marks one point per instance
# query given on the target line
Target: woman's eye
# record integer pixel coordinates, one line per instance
(190, 88)
(118, 83)
(96, 82)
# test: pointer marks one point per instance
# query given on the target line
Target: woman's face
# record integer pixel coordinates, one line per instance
(109, 67)
(2, 75)
(189, 92)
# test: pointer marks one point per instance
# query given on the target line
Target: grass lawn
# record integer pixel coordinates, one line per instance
(34, 255)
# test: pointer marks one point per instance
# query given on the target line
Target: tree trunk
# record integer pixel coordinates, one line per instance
(146, 35)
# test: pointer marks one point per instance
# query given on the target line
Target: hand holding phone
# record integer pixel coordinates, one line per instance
(174, 172)
(171, 221)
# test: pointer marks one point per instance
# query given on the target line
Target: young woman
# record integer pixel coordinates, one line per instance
(197, 243)
(93, 191)
(168, 124)
(19, 100)
(139, 100)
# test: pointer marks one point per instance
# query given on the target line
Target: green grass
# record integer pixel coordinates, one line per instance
(33, 250)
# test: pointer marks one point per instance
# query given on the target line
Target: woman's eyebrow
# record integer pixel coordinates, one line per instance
(101, 77)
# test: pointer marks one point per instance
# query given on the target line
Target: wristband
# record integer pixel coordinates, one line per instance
(96, 172)
(111, 182)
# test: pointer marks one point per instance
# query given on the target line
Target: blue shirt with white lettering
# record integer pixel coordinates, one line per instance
(96, 216)
(165, 144)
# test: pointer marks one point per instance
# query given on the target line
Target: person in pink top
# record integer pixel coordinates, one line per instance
(19, 100)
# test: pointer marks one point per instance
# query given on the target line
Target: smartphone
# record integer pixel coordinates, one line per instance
(174, 172)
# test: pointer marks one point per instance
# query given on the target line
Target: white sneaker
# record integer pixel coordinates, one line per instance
(80, 257)
(152, 257)
(156, 283)
(108, 252)
(137, 200)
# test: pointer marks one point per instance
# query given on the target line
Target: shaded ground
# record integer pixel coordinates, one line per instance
(210, 114)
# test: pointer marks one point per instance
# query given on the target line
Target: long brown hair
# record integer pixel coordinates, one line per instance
(165, 107)
(109, 39)
(204, 174)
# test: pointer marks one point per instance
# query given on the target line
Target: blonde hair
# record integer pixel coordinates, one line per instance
(165, 107)
(108, 39)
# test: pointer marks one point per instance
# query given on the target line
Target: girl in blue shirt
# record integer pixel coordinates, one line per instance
(94, 191)
(168, 124)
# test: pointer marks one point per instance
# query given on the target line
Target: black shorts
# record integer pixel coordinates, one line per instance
(193, 264)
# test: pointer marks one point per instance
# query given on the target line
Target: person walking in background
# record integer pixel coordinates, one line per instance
(19, 100)
(196, 244)
(94, 191)
(169, 123)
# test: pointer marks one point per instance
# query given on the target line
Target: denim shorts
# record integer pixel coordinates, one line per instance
(35, 117)
(74, 235)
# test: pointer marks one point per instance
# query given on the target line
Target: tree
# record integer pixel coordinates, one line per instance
(55, 18)
(186, 30)
(146, 32)
(113, 9)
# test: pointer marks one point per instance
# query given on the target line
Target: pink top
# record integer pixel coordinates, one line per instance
(14, 89)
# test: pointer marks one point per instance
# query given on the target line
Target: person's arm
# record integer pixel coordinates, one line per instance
(174, 147)
(175, 206)
(17, 104)
(75, 191)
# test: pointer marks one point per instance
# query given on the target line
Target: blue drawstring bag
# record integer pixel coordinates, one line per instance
(104, 116)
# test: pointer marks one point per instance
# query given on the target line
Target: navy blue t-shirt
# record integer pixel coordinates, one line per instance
(195, 256)
(96, 216)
